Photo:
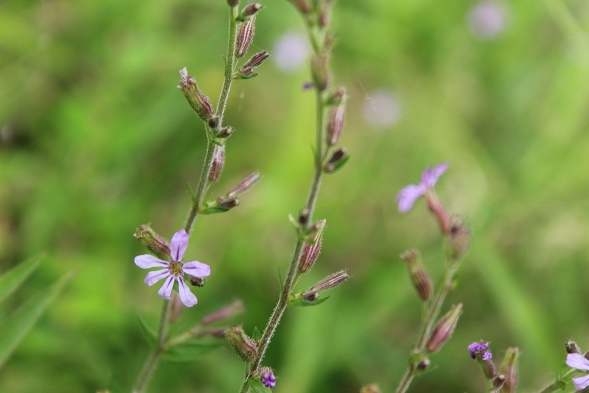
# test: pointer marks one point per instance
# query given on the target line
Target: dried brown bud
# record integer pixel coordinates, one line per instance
(196, 98)
(245, 184)
(509, 370)
(250, 10)
(335, 125)
(319, 71)
(419, 277)
(228, 203)
(372, 388)
(312, 249)
(571, 346)
(245, 35)
(225, 132)
(241, 343)
(154, 242)
(444, 329)
(218, 162)
(197, 281)
(224, 313)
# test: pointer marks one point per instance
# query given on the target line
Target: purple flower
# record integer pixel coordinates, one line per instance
(269, 380)
(480, 347)
(174, 270)
(577, 361)
(409, 194)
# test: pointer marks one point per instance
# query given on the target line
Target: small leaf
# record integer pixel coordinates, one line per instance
(300, 302)
(150, 335)
(12, 279)
(213, 210)
(189, 351)
(336, 166)
(14, 328)
(257, 386)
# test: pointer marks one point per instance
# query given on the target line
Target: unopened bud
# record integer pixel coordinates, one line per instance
(249, 10)
(266, 376)
(337, 116)
(302, 6)
(245, 184)
(224, 313)
(311, 250)
(489, 368)
(372, 388)
(196, 98)
(225, 132)
(331, 281)
(154, 242)
(197, 281)
(419, 277)
(319, 71)
(310, 295)
(227, 203)
(498, 381)
(337, 97)
(509, 369)
(247, 70)
(459, 237)
(444, 329)
(304, 216)
(337, 160)
(218, 162)
(245, 35)
(241, 343)
(571, 346)
(423, 364)
(324, 16)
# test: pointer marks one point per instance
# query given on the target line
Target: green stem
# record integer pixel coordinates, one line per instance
(557, 384)
(203, 182)
(292, 276)
(152, 361)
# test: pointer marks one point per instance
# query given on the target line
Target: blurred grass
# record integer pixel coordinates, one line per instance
(95, 140)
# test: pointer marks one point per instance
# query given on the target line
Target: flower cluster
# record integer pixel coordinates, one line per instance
(482, 348)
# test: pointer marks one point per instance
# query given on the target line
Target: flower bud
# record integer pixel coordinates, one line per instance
(311, 250)
(335, 125)
(337, 160)
(218, 162)
(424, 364)
(224, 313)
(247, 70)
(196, 98)
(337, 97)
(245, 35)
(324, 16)
(232, 3)
(331, 281)
(249, 10)
(372, 388)
(154, 242)
(419, 277)
(498, 381)
(245, 184)
(571, 346)
(319, 71)
(197, 281)
(267, 377)
(241, 343)
(227, 203)
(302, 6)
(214, 122)
(304, 216)
(459, 238)
(225, 132)
(445, 328)
(509, 370)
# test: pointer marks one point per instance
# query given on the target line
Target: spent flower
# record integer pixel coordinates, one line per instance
(174, 270)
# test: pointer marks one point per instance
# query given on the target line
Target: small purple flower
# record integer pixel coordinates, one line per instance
(409, 194)
(268, 379)
(577, 361)
(174, 270)
(480, 347)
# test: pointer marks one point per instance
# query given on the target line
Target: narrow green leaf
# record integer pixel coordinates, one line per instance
(12, 279)
(14, 328)
(189, 351)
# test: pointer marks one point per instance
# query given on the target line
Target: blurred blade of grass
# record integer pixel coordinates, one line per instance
(18, 324)
(11, 280)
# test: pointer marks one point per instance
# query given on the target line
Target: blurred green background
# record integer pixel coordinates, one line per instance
(95, 140)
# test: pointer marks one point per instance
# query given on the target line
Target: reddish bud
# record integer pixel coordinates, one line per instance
(154, 242)
(245, 184)
(250, 10)
(331, 281)
(218, 162)
(196, 98)
(311, 249)
(444, 329)
(224, 313)
(419, 277)
(245, 35)
(335, 125)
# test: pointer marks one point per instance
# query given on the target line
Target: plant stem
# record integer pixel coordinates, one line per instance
(557, 384)
(203, 182)
(427, 325)
(154, 357)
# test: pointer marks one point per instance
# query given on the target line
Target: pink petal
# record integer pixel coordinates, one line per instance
(186, 296)
(581, 382)
(178, 245)
(408, 195)
(577, 361)
(155, 276)
(166, 289)
(147, 261)
(430, 176)
(197, 269)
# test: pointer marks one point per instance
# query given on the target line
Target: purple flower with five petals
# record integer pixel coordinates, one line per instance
(174, 270)
(409, 194)
(579, 362)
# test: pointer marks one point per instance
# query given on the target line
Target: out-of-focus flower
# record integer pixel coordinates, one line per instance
(291, 52)
(382, 108)
(576, 360)
(409, 194)
(174, 270)
(487, 19)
